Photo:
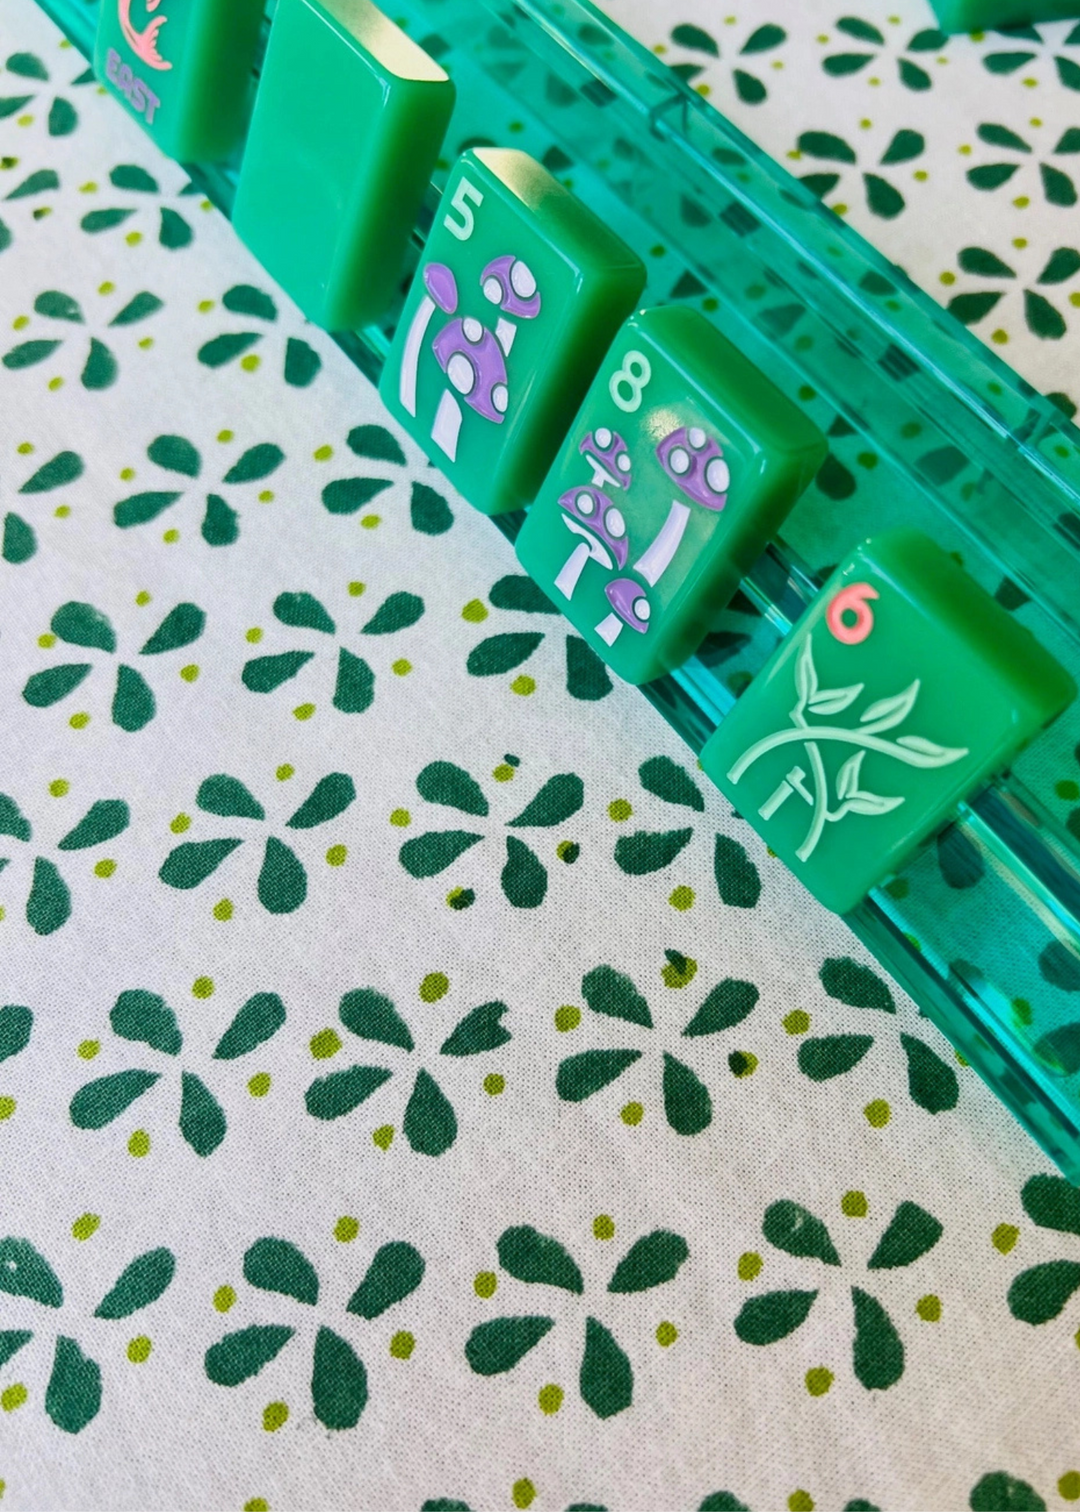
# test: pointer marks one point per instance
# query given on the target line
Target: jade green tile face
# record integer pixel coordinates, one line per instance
(183, 68)
(898, 693)
(979, 15)
(347, 127)
(519, 294)
(681, 464)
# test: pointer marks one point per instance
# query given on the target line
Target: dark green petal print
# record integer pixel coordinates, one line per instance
(495, 1347)
(643, 852)
(191, 863)
(1053, 1203)
(524, 878)
(103, 820)
(180, 627)
(398, 612)
(443, 782)
(83, 625)
(723, 1501)
(429, 511)
(1043, 320)
(881, 197)
(481, 1029)
(395, 1272)
(147, 1019)
(521, 594)
(39, 182)
(139, 1284)
(372, 1016)
(303, 610)
(138, 308)
(239, 1356)
(1057, 186)
(104, 220)
(202, 1121)
(877, 1354)
(823, 144)
(73, 1395)
(765, 1319)
(245, 299)
(579, 1076)
(330, 797)
(586, 675)
(257, 462)
(1063, 263)
(528, 1255)
(131, 176)
(832, 1054)
(221, 523)
(302, 363)
(101, 369)
(855, 985)
(904, 146)
(763, 39)
(669, 781)
(223, 349)
(432, 853)
(612, 993)
(1039, 1294)
(652, 1260)
(347, 495)
(64, 468)
(27, 65)
(49, 904)
(140, 508)
(175, 231)
(282, 883)
(1000, 1492)
(354, 690)
(559, 798)
(19, 543)
(430, 1124)
(176, 454)
(932, 1083)
(727, 1004)
(606, 1379)
(26, 1273)
(275, 1265)
(751, 90)
(339, 1389)
(27, 353)
(12, 820)
(376, 442)
(259, 1018)
(11, 1341)
(133, 705)
(228, 797)
(796, 1231)
(100, 1101)
(16, 1023)
(687, 35)
(501, 653)
(339, 1093)
(912, 1231)
(737, 879)
(265, 673)
(686, 1098)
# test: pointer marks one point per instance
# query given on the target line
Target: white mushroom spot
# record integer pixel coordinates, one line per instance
(493, 290)
(614, 524)
(622, 462)
(603, 437)
(696, 437)
(472, 329)
(679, 460)
(585, 503)
(718, 475)
(641, 608)
(460, 372)
(521, 279)
(500, 397)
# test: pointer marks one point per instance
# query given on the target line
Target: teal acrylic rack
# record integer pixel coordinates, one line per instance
(982, 927)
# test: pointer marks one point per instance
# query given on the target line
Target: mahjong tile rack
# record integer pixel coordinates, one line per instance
(926, 428)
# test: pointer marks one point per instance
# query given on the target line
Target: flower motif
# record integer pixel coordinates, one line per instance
(877, 1351)
(302, 362)
(133, 705)
(339, 1383)
(612, 994)
(606, 1378)
(429, 512)
(1012, 60)
(100, 368)
(174, 231)
(19, 542)
(912, 75)
(48, 905)
(1043, 318)
(282, 884)
(354, 688)
(1057, 186)
(750, 89)
(524, 878)
(1040, 1293)
(143, 1017)
(882, 197)
(74, 1391)
(176, 454)
(63, 117)
(429, 1123)
(495, 655)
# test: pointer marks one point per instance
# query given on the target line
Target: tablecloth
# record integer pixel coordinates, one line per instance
(418, 1088)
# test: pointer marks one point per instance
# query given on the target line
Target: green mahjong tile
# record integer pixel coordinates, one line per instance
(183, 68)
(981, 15)
(683, 461)
(900, 691)
(518, 297)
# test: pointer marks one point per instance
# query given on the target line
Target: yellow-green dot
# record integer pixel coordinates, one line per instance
(475, 612)
(142, 598)
(494, 1084)
(568, 851)
(85, 1226)
(402, 1345)
(24, 448)
(259, 1085)
(181, 823)
(680, 973)
(797, 1021)
(335, 856)
(104, 868)
(146, 343)
(304, 711)
(189, 673)
(170, 537)
(818, 1381)
(929, 1308)
(371, 522)
(877, 1113)
(750, 1264)
(205, 306)
(275, 1416)
(523, 1493)
(7, 1107)
(356, 589)
(503, 772)
(682, 898)
(550, 1398)
(802, 1501)
(257, 1504)
(20, 322)
(266, 496)
(523, 685)
(79, 721)
(225, 435)
(202, 987)
(401, 818)
(999, 337)
(619, 810)
(138, 1350)
(2, 915)
(139, 1144)
(346, 1229)
(434, 986)
(62, 511)
(284, 772)
(325, 1044)
(133, 238)
(1022, 1010)
(12, 1397)
(254, 635)
(223, 910)
(666, 1334)
(603, 1227)
(88, 1049)
(59, 787)
(742, 1063)
(632, 1114)
(383, 1136)
(484, 1283)
(1069, 1486)
(46, 641)
(224, 1298)
(54, 384)
(250, 363)
(567, 1017)
(1004, 1237)
(323, 453)
(401, 667)
(854, 1205)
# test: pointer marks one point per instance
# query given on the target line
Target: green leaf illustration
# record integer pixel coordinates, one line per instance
(524, 878)
(339, 1093)
(904, 146)
(650, 1261)
(27, 65)
(528, 1255)
(432, 853)
(101, 369)
(347, 495)
(103, 820)
(221, 523)
(643, 852)
(586, 675)
(881, 197)
(796, 1231)
(1001, 1492)
(245, 299)
(180, 627)
(175, 232)
(832, 1054)
(100, 1101)
(606, 1379)
(302, 363)
(60, 470)
(877, 1354)
(133, 705)
(429, 512)
(823, 144)
(1057, 186)
(275, 1265)
(83, 625)
(430, 1124)
(520, 594)
(239, 1356)
(737, 879)
(395, 1272)
(259, 1018)
(1001, 136)
(191, 863)
(912, 1231)
(443, 782)
(339, 1389)
(1063, 263)
(579, 1076)
(176, 454)
(26, 1273)
(49, 904)
(11, 1341)
(131, 176)
(931, 1082)
(223, 349)
(398, 612)
(16, 1023)
(559, 798)
(138, 308)
(727, 1004)
(856, 985)
(257, 462)
(19, 542)
(304, 611)
(97, 221)
(39, 182)
(139, 1284)
(330, 797)
(1053, 1203)
(1039, 1294)
(669, 781)
(1043, 320)
(971, 308)
(912, 76)
(481, 1029)
(501, 653)
(768, 1318)
(376, 442)
(265, 673)
(27, 353)
(202, 1121)
(354, 690)
(282, 885)
(612, 993)
(147, 1019)
(73, 1395)
(694, 37)
(727, 1501)
(372, 1016)
(12, 820)
(495, 1347)
(686, 1098)
(763, 39)
(141, 508)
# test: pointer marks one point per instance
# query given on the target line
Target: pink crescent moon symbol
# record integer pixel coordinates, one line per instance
(852, 600)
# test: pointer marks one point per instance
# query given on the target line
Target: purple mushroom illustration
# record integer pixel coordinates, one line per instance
(609, 457)
(509, 282)
(695, 464)
(471, 357)
(630, 607)
(590, 514)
